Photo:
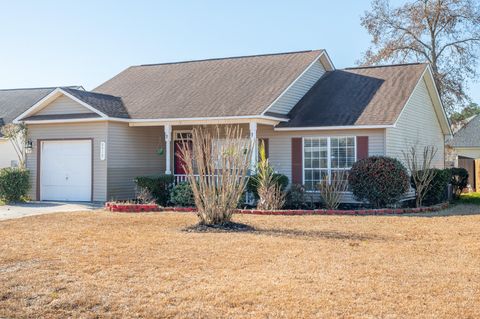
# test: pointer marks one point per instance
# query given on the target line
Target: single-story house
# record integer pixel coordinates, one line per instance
(465, 146)
(314, 119)
(14, 102)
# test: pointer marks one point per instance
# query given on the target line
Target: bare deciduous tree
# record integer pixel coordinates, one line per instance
(17, 134)
(420, 167)
(445, 33)
(331, 190)
(271, 196)
(216, 171)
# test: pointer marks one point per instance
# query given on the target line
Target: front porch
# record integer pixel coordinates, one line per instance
(172, 137)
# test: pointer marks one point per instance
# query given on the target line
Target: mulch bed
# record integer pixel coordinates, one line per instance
(137, 208)
(223, 228)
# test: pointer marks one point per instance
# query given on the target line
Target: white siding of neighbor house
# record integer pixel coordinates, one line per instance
(417, 125)
(63, 105)
(132, 152)
(7, 153)
(280, 143)
(304, 83)
(95, 130)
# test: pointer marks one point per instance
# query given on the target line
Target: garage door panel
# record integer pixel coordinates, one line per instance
(66, 170)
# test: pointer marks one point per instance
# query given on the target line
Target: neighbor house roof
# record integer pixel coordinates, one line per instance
(357, 96)
(468, 136)
(14, 102)
(238, 86)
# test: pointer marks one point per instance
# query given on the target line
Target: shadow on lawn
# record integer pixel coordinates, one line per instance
(310, 234)
(233, 227)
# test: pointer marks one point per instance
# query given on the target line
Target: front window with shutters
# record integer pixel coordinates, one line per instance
(327, 158)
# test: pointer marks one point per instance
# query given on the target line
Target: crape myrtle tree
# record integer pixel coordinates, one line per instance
(216, 165)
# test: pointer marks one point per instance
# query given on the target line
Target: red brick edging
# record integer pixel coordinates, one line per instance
(137, 208)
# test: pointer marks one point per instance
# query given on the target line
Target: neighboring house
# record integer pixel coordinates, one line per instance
(314, 120)
(465, 146)
(14, 102)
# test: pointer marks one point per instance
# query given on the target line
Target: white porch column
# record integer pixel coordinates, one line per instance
(168, 140)
(254, 142)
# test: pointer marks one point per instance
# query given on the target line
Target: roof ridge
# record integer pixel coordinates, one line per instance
(229, 58)
(384, 65)
(42, 88)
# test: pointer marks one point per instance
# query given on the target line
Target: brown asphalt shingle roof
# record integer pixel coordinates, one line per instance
(107, 104)
(207, 88)
(357, 96)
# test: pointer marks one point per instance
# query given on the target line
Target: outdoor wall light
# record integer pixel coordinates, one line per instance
(29, 146)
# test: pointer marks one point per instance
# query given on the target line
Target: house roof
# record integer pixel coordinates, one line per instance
(107, 104)
(238, 86)
(357, 96)
(467, 136)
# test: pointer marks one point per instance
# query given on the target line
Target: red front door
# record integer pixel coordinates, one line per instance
(177, 160)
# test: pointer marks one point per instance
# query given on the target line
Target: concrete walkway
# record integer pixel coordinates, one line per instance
(40, 208)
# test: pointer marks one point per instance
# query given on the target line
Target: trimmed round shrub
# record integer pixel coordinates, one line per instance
(252, 184)
(14, 184)
(380, 180)
(437, 190)
(459, 180)
(158, 186)
(182, 195)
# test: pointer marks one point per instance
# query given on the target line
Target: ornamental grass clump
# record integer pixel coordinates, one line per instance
(379, 180)
(270, 194)
(216, 164)
(331, 190)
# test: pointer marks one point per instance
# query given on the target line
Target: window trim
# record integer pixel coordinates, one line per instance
(329, 155)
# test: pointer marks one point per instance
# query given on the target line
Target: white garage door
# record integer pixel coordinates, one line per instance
(66, 170)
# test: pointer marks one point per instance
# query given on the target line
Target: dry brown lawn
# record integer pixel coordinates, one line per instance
(98, 264)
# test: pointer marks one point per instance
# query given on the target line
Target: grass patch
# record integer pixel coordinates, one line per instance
(98, 264)
(470, 198)
(2, 202)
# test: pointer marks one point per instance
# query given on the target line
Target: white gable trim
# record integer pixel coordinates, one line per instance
(327, 67)
(436, 101)
(52, 97)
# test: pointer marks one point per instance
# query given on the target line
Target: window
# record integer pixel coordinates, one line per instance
(326, 158)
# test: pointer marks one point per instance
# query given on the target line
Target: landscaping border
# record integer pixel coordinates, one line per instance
(138, 208)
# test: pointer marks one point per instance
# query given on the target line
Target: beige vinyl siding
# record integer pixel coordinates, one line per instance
(97, 131)
(294, 94)
(280, 143)
(132, 152)
(417, 125)
(63, 105)
(7, 153)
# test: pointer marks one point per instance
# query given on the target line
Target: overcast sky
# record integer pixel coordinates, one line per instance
(55, 43)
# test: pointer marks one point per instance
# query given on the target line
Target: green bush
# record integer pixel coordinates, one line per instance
(380, 180)
(252, 184)
(14, 184)
(296, 197)
(158, 186)
(182, 195)
(459, 180)
(436, 192)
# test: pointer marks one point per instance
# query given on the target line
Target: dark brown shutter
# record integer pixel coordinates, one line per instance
(297, 166)
(265, 142)
(362, 147)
